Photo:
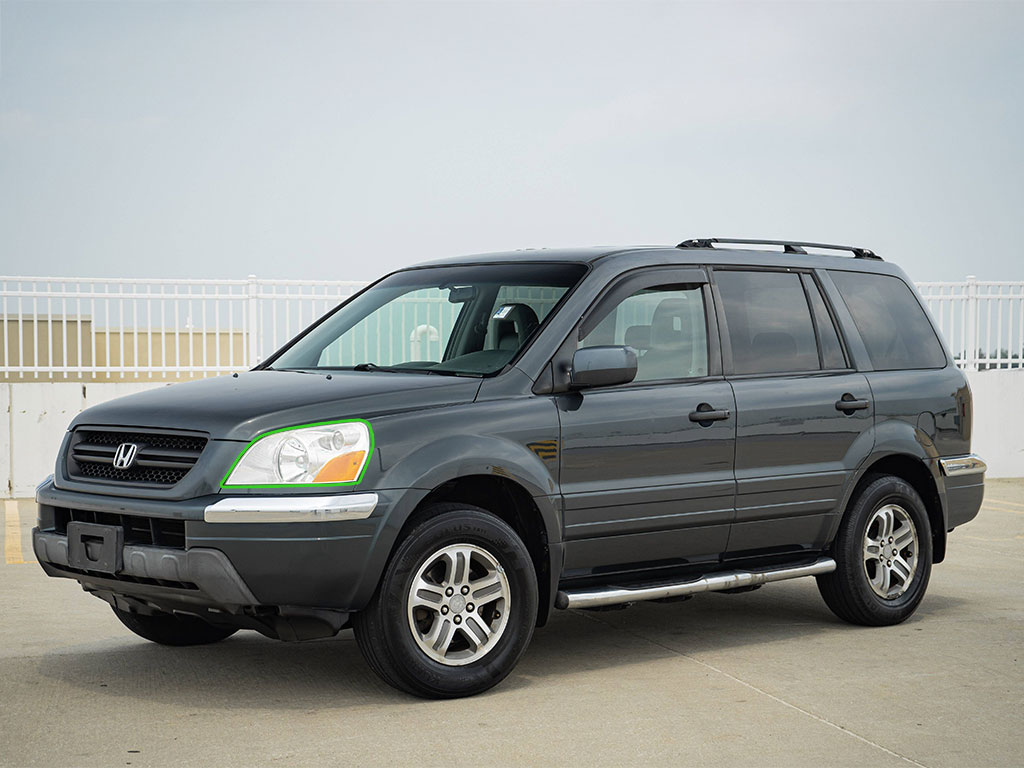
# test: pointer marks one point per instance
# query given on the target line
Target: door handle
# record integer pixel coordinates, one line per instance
(706, 414)
(848, 403)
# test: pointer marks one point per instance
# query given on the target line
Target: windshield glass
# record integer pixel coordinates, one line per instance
(445, 320)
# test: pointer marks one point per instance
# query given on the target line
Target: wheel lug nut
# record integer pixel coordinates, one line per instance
(444, 609)
(465, 590)
(469, 606)
(449, 591)
(457, 619)
(889, 563)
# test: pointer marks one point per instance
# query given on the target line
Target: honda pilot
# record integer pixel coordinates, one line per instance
(467, 445)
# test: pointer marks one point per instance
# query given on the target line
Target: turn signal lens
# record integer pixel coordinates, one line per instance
(341, 469)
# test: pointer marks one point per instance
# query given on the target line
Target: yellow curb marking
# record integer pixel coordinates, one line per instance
(12, 533)
(997, 506)
(1006, 502)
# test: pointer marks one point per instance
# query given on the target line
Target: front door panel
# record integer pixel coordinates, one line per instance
(644, 486)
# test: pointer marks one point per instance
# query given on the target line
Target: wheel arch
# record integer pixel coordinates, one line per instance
(922, 474)
(499, 475)
(510, 502)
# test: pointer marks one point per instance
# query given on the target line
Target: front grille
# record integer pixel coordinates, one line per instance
(138, 530)
(163, 458)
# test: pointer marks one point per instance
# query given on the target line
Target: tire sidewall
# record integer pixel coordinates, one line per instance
(462, 526)
(888, 490)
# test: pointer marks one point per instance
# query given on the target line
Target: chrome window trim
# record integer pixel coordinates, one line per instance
(956, 466)
(292, 509)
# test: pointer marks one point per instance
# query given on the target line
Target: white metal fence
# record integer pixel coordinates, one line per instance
(121, 329)
(82, 329)
(982, 321)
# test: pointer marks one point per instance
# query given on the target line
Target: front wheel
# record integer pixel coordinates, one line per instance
(883, 555)
(456, 606)
(172, 629)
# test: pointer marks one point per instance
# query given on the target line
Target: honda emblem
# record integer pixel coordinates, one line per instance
(125, 455)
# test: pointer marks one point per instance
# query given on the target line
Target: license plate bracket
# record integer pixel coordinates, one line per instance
(94, 547)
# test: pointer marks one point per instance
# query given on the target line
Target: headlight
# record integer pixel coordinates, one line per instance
(312, 454)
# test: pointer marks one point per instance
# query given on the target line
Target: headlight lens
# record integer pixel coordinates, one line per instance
(320, 454)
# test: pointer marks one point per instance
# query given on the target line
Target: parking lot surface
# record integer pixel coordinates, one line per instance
(763, 678)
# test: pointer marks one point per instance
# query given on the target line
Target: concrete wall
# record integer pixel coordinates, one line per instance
(999, 420)
(37, 414)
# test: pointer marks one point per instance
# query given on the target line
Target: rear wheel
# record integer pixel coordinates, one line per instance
(883, 555)
(172, 629)
(456, 606)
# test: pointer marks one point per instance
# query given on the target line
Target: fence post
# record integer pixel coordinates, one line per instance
(971, 332)
(252, 306)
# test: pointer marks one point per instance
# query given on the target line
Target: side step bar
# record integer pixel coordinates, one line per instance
(595, 597)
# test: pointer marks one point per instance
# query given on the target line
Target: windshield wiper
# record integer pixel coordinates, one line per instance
(404, 369)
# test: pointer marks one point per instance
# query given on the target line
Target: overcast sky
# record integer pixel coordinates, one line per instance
(340, 140)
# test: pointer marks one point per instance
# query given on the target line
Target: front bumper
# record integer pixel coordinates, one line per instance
(200, 576)
(328, 556)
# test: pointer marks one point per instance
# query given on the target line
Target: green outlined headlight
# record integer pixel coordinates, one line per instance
(327, 453)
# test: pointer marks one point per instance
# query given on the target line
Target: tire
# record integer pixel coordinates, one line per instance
(859, 590)
(172, 629)
(402, 634)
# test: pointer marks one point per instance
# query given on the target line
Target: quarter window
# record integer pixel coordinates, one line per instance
(769, 322)
(891, 321)
(832, 357)
(666, 326)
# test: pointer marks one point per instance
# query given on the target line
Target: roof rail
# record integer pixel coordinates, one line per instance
(788, 246)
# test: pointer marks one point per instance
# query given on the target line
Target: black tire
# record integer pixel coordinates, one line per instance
(847, 590)
(171, 629)
(383, 629)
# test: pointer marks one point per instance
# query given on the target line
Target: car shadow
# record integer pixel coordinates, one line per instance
(248, 670)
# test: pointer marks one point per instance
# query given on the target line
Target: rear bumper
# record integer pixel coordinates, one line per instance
(964, 478)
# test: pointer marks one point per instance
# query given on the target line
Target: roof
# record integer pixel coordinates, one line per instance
(695, 253)
(578, 255)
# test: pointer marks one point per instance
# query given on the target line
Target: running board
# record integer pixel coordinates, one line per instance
(595, 597)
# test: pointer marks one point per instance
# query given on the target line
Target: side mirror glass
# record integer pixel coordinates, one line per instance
(602, 367)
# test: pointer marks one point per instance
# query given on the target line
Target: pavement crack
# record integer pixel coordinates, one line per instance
(751, 686)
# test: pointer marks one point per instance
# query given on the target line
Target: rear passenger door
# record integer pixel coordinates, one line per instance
(803, 414)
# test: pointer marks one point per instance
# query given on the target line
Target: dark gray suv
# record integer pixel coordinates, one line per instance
(468, 444)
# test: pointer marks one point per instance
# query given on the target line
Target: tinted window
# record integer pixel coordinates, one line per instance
(768, 320)
(893, 325)
(832, 356)
(667, 328)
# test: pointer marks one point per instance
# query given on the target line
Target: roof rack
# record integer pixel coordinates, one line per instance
(788, 246)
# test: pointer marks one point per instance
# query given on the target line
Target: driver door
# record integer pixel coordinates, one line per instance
(646, 483)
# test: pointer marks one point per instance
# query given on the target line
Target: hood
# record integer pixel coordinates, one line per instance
(239, 408)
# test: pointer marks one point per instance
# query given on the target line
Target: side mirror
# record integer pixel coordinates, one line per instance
(602, 367)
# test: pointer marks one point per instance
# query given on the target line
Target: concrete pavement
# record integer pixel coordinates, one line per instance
(765, 678)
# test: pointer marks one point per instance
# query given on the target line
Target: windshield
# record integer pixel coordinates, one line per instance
(446, 320)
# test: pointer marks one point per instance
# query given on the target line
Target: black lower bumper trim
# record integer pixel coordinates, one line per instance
(206, 572)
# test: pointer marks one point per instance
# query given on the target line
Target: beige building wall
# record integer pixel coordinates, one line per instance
(68, 343)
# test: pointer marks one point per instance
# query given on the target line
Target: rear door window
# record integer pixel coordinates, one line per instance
(768, 322)
(891, 321)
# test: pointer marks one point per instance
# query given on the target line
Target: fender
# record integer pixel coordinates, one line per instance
(896, 437)
(411, 476)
